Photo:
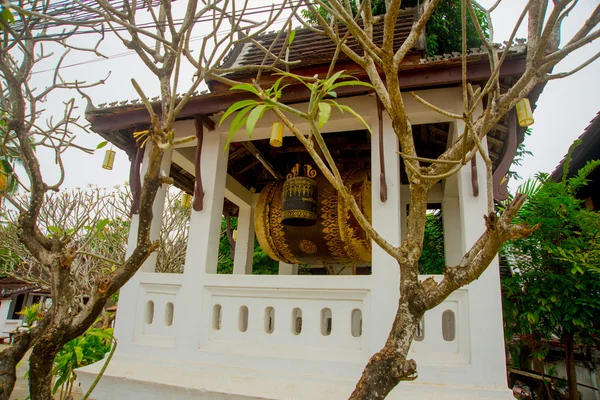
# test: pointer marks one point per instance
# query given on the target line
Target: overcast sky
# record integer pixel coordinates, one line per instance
(563, 110)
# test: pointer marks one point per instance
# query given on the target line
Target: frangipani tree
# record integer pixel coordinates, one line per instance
(164, 46)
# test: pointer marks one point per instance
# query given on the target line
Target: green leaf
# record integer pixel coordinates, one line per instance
(101, 145)
(332, 94)
(324, 114)
(7, 15)
(350, 83)
(55, 229)
(5, 166)
(78, 354)
(63, 377)
(253, 118)
(246, 87)
(100, 225)
(332, 79)
(351, 111)
(236, 106)
(336, 104)
(237, 123)
(296, 77)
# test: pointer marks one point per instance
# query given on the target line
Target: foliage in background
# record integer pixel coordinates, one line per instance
(32, 314)
(261, 263)
(432, 259)
(84, 350)
(443, 30)
(554, 290)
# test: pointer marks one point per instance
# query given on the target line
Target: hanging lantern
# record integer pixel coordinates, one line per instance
(6, 180)
(109, 159)
(524, 114)
(186, 200)
(276, 134)
(299, 206)
(234, 235)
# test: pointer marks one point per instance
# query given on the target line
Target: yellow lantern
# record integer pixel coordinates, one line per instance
(524, 114)
(186, 200)
(109, 159)
(276, 134)
(234, 235)
(5, 170)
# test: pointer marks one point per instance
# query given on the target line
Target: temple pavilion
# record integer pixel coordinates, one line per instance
(200, 334)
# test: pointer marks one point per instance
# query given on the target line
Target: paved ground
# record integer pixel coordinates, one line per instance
(21, 391)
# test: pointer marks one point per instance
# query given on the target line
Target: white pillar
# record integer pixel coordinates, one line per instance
(386, 219)
(4, 312)
(451, 220)
(288, 269)
(125, 318)
(488, 361)
(244, 246)
(203, 238)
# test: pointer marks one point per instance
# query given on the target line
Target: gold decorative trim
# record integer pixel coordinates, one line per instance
(303, 214)
(308, 247)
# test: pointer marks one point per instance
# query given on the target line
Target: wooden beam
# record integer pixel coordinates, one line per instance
(256, 153)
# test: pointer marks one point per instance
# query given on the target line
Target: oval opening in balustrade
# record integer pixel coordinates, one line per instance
(326, 322)
(149, 313)
(216, 317)
(420, 333)
(356, 323)
(449, 325)
(269, 319)
(296, 321)
(169, 310)
(243, 320)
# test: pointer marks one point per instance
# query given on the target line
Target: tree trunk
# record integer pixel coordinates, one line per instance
(9, 359)
(570, 366)
(389, 366)
(40, 366)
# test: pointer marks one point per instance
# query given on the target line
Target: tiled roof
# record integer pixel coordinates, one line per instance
(312, 48)
(589, 149)
(11, 287)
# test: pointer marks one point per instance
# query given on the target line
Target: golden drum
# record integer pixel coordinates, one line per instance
(334, 238)
(299, 205)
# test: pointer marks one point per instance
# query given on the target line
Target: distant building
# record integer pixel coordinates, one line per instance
(15, 295)
(588, 150)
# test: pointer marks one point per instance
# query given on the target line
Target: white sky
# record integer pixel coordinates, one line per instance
(563, 110)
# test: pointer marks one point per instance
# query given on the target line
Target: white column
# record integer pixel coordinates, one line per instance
(203, 239)
(158, 205)
(4, 312)
(125, 319)
(485, 303)
(453, 248)
(288, 269)
(244, 246)
(386, 218)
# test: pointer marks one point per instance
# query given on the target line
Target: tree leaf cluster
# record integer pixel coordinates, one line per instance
(555, 287)
(84, 350)
(443, 30)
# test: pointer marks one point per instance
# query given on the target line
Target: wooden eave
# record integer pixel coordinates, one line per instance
(112, 123)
